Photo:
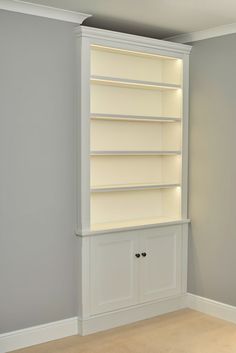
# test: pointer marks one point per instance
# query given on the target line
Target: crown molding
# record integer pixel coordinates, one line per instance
(204, 34)
(125, 38)
(43, 11)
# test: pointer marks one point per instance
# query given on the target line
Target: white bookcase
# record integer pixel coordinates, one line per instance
(132, 161)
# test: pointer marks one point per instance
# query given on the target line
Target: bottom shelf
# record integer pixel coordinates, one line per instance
(133, 223)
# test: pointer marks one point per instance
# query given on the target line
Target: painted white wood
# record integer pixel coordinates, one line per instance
(134, 118)
(114, 81)
(132, 42)
(38, 334)
(83, 135)
(147, 213)
(212, 307)
(184, 150)
(204, 34)
(133, 153)
(119, 228)
(132, 187)
(161, 267)
(43, 11)
(130, 314)
(114, 272)
(184, 257)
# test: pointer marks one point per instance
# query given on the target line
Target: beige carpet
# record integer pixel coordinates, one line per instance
(184, 331)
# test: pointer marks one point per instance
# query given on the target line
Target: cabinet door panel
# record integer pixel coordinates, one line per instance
(161, 268)
(113, 272)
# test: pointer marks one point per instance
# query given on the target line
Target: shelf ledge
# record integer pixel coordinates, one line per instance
(134, 153)
(122, 82)
(146, 118)
(155, 224)
(134, 187)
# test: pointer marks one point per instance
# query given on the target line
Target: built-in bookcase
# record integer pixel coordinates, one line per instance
(132, 162)
(135, 138)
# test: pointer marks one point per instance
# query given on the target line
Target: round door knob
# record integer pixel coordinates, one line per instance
(144, 254)
(137, 255)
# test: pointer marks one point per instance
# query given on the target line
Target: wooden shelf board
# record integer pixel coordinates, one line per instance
(134, 153)
(122, 82)
(131, 187)
(159, 119)
(133, 224)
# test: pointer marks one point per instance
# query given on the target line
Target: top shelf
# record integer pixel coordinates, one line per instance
(122, 82)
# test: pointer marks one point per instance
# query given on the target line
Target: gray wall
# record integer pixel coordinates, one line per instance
(37, 242)
(212, 247)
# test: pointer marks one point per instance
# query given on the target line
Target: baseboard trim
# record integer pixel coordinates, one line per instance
(38, 334)
(73, 326)
(212, 307)
(129, 315)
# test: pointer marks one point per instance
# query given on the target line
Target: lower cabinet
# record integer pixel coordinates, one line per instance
(134, 267)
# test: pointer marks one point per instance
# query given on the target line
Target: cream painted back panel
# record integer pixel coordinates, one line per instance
(136, 66)
(135, 101)
(135, 135)
(131, 205)
(107, 170)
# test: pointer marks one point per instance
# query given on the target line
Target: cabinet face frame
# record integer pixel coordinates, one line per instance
(85, 38)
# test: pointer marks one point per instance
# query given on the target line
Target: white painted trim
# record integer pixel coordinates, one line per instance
(204, 34)
(38, 334)
(86, 233)
(43, 11)
(59, 329)
(212, 307)
(130, 41)
(131, 314)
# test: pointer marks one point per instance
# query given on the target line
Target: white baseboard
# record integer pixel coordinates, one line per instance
(38, 334)
(129, 315)
(59, 329)
(212, 307)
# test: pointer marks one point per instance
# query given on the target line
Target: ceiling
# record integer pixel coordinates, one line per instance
(153, 18)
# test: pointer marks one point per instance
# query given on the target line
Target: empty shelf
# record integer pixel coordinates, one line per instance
(130, 187)
(134, 153)
(122, 82)
(100, 116)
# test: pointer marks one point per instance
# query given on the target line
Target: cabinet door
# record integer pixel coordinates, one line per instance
(161, 267)
(113, 272)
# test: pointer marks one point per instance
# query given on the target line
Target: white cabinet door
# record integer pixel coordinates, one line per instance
(114, 272)
(161, 266)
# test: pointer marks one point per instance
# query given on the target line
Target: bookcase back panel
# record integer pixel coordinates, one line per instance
(128, 65)
(135, 135)
(118, 170)
(131, 205)
(107, 99)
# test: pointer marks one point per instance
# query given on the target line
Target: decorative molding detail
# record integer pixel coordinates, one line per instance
(204, 34)
(38, 334)
(131, 314)
(212, 307)
(43, 11)
(139, 41)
